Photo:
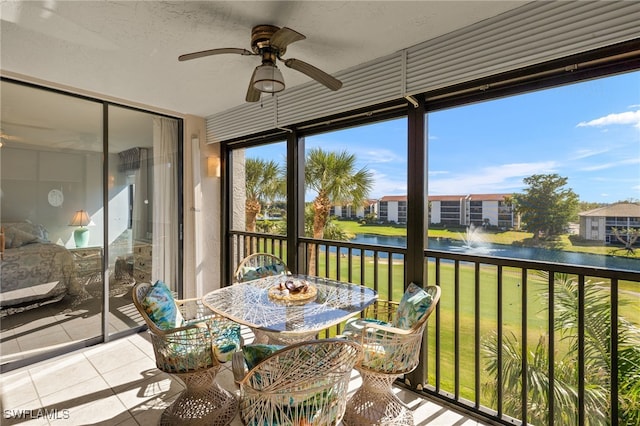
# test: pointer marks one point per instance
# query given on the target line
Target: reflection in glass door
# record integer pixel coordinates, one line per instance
(53, 220)
(142, 200)
(60, 241)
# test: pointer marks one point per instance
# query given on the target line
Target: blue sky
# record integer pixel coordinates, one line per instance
(588, 132)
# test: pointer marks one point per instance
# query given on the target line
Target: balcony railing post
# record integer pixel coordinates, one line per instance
(416, 202)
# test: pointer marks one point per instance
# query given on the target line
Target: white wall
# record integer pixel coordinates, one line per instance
(202, 212)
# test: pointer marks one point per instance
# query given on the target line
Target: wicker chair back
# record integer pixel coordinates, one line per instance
(302, 384)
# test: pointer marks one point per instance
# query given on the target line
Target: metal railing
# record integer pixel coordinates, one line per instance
(504, 343)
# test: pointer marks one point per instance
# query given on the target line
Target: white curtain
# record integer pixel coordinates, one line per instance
(141, 201)
(165, 201)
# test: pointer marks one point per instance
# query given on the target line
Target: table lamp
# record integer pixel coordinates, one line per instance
(81, 235)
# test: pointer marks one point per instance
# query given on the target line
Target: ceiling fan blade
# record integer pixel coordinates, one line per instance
(210, 52)
(315, 73)
(284, 37)
(6, 137)
(253, 94)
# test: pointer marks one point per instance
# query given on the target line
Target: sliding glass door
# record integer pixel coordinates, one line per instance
(87, 210)
(143, 214)
(51, 200)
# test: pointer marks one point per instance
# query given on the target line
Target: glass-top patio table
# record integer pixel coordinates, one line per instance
(286, 322)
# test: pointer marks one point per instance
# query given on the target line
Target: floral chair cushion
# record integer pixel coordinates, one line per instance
(298, 392)
(375, 354)
(414, 305)
(161, 308)
(180, 357)
(253, 273)
(193, 348)
(254, 354)
(227, 340)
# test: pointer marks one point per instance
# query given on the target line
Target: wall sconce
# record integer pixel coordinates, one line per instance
(213, 167)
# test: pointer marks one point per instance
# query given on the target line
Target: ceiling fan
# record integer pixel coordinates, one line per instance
(270, 42)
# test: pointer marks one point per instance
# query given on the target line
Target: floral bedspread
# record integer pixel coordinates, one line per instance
(34, 272)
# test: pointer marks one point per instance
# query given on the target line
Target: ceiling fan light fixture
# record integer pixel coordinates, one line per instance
(270, 44)
(268, 79)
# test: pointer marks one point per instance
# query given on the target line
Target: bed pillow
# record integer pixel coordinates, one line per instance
(161, 307)
(18, 234)
(38, 230)
(17, 238)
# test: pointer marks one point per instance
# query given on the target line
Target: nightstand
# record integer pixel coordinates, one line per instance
(142, 261)
(88, 261)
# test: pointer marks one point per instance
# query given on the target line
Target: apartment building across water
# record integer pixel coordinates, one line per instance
(456, 210)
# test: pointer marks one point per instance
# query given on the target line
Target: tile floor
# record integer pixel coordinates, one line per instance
(118, 384)
(35, 331)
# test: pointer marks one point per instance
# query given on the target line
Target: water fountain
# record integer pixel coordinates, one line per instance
(472, 238)
(473, 241)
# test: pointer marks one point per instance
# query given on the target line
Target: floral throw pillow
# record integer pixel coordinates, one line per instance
(161, 307)
(414, 305)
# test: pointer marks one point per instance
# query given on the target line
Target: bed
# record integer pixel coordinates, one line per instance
(33, 271)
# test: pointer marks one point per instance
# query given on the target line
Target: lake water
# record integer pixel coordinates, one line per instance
(501, 250)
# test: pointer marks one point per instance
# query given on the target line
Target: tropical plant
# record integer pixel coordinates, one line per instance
(597, 363)
(264, 182)
(278, 227)
(334, 178)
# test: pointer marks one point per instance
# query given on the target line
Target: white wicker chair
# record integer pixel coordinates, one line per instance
(258, 265)
(388, 353)
(188, 353)
(302, 384)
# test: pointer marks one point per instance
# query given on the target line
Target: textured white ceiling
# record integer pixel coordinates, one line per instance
(129, 49)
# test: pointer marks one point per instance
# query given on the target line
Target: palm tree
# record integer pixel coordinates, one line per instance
(332, 230)
(334, 178)
(597, 356)
(264, 182)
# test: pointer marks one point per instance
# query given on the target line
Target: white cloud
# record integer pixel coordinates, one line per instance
(389, 187)
(373, 156)
(597, 167)
(611, 164)
(385, 185)
(629, 117)
(586, 153)
(503, 178)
